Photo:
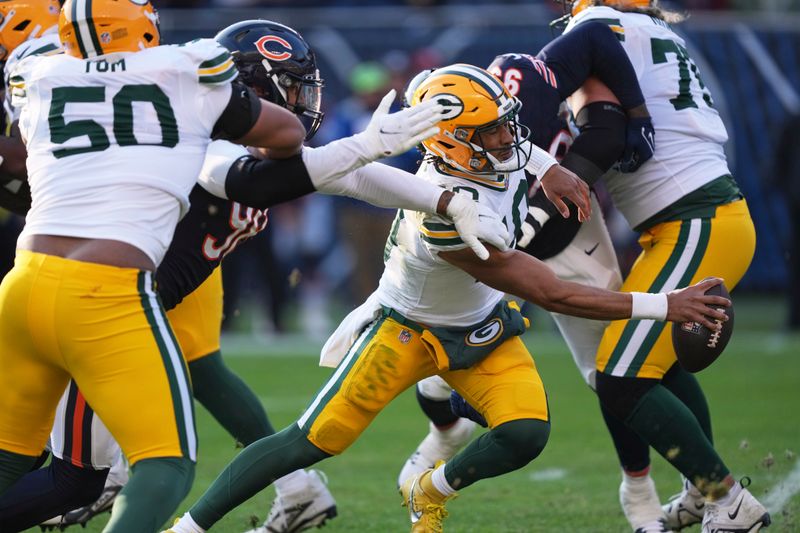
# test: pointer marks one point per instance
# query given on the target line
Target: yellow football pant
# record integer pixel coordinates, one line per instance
(104, 327)
(674, 255)
(389, 357)
(197, 319)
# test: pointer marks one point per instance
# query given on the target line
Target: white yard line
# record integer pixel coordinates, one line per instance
(783, 491)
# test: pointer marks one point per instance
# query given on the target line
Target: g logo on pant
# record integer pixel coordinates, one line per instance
(485, 334)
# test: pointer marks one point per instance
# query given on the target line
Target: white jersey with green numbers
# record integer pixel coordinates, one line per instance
(424, 287)
(689, 132)
(115, 143)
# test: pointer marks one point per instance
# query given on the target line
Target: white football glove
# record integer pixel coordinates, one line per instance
(534, 220)
(476, 223)
(388, 135)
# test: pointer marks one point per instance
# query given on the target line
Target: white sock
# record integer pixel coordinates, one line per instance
(187, 525)
(440, 482)
(292, 482)
(635, 481)
(733, 492)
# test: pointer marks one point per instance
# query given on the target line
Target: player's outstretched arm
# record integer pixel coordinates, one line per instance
(276, 129)
(386, 135)
(524, 276)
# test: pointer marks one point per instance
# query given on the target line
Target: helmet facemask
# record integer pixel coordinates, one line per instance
(490, 160)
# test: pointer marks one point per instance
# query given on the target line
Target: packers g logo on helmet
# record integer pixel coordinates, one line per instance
(91, 28)
(475, 102)
(21, 20)
(453, 106)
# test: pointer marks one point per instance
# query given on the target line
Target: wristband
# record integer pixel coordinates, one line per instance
(645, 305)
(539, 161)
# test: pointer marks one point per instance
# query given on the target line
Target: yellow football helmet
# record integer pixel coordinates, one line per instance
(90, 28)
(579, 5)
(475, 101)
(21, 20)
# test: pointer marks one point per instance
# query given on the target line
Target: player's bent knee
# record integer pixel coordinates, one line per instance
(523, 440)
(169, 477)
(621, 395)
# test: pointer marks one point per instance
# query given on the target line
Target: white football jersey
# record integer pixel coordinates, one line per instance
(424, 287)
(689, 132)
(115, 143)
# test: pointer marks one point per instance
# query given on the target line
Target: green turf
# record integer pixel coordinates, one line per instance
(754, 392)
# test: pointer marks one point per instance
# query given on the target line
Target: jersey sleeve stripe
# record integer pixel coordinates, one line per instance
(210, 71)
(16, 82)
(438, 230)
(443, 242)
(215, 62)
(226, 76)
(43, 50)
(218, 74)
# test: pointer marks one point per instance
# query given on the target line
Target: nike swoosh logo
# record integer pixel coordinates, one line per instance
(734, 514)
(390, 132)
(591, 250)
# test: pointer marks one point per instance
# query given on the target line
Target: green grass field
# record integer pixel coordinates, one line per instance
(754, 392)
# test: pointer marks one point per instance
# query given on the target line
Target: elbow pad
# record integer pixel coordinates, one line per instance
(601, 141)
(262, 183)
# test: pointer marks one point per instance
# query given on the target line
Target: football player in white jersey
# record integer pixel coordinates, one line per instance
(80, 301)
(693, 222)
(439, 309)
(24, 22)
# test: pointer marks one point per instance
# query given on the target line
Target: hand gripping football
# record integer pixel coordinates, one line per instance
(695, 345)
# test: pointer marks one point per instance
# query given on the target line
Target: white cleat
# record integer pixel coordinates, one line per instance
(438, 445)
(744, 514)
(51, 524)
(685, 508)
(640, 503)
(310, 507)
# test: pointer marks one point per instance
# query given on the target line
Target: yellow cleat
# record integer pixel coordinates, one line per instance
(425, 504)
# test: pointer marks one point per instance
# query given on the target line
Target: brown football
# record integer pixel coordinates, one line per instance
(695, 345)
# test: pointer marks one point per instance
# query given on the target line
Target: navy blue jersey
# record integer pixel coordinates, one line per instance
(536, 85)
(211, 229)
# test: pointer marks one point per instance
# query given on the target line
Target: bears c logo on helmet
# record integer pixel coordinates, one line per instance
(261, 46)
(453, 106)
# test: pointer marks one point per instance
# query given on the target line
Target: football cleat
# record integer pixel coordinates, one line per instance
(103, 504)
(438, 445)
(685, 508)
(425, 507)
(743, 514)
(305, 509)
(51, 524)
(640, 503)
